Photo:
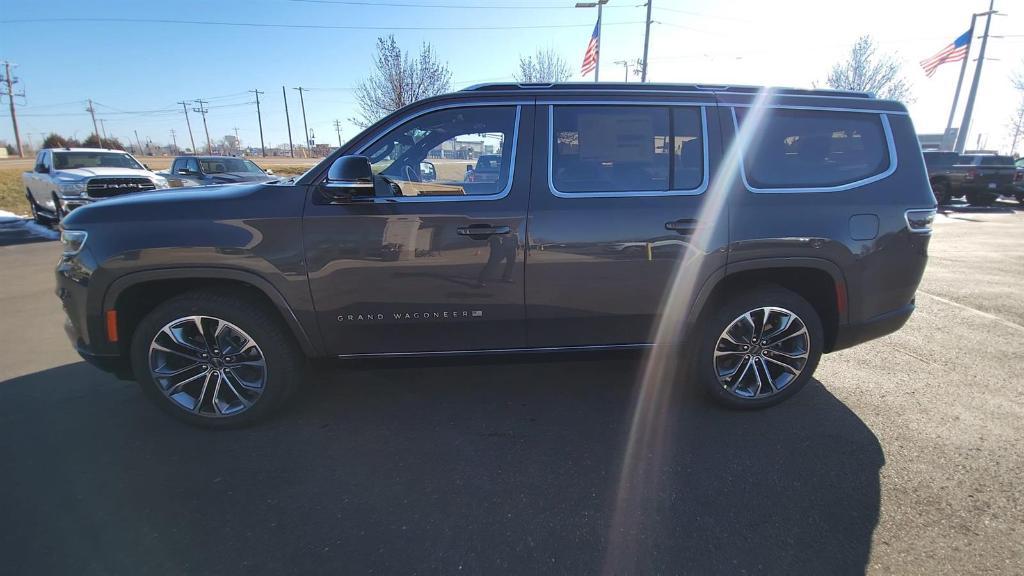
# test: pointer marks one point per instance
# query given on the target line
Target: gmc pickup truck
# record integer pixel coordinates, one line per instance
(981, 179)
(65, 178)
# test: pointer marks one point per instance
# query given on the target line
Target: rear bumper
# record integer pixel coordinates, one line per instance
(853, 334)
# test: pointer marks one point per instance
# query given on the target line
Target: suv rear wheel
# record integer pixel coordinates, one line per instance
(760, 347)
(215, 361)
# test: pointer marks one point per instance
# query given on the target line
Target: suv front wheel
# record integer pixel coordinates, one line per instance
(215, 360)
(759, 347)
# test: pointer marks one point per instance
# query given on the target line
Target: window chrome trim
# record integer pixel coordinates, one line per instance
(890, 143)
(467, 197)
(637, 193)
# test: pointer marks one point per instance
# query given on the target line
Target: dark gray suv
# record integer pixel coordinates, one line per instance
(751, 230)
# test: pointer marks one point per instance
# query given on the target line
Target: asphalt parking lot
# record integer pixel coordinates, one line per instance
(903, 456)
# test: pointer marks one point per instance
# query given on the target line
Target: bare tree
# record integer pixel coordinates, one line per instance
(867, 71)
(543, 66)
(398, 80)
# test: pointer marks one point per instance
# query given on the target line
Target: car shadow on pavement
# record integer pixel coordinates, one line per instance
(482, 467)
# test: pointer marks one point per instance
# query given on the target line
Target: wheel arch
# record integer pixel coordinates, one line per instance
(135, 294)
(817, 280)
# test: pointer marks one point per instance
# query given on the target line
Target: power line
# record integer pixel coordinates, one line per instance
(298, 26)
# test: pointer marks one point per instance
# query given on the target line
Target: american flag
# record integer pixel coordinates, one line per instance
(955, 52)
(590, 56)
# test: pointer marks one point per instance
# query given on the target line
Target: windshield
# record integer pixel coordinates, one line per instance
(72, 160)
(222, 165)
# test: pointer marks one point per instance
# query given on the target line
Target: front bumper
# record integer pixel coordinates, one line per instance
(881, 325)
(82, 327)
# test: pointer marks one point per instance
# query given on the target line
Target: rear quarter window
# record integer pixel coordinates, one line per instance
(814, 148)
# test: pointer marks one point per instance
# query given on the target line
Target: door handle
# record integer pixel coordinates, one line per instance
(482, 231)
(682, 225)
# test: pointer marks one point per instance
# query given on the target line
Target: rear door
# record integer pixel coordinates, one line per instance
(432, 262)
(616, 199)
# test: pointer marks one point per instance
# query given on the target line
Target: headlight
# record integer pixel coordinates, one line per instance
(73, 241)
(71, 188)
(161, 182)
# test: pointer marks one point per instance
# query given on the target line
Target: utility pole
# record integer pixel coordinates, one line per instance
(625, 65)
(103, 128)
(291, 146)
(184, 106)
(305, 127)
(238, 141)
(259, 118)
(965, 124)
(174, 142)
(647, 41)
(139, 142)
(337, 128)
(95, 128)
(202, 111)
(10, 81)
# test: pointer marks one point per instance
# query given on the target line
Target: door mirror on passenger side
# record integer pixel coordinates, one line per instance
(42, 169)
(428, 173)
(349, 176)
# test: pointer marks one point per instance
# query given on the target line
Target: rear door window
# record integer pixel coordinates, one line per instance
(626, 149)
(814, 148)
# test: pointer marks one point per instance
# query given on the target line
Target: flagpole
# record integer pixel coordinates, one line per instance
(965, 124)
(959, 84)
(597, 60)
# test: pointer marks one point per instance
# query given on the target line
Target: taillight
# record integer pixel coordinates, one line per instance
(971, 175)
(920, 221)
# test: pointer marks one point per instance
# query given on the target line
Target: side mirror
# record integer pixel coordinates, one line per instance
(347, 177)
(428, 173)
(269, 171)
(146, 166)
(42, 169)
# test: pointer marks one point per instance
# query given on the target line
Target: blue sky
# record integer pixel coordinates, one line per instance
(137, 71)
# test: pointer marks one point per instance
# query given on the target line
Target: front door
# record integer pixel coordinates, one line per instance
(613, 211)
(433, 262)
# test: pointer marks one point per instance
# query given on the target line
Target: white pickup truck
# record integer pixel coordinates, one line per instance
(66, 178)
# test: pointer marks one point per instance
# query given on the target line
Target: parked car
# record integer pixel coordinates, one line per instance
(486, 169)
(207, 170)
(980, 178)
(803, 224)
(65, 178)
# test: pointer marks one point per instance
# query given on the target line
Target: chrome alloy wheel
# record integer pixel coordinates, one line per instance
(207, 366)
(761, 352)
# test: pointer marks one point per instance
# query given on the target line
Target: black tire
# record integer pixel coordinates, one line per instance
(58, 211)
(33, 207)
(284, 364)
(981, 199)
(941, 191)
(730, 310)
(1020, 197)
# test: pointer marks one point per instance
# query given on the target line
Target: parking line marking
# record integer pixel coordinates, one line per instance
(1003, 321)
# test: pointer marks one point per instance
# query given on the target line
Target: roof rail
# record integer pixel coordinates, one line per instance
(647, 86)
